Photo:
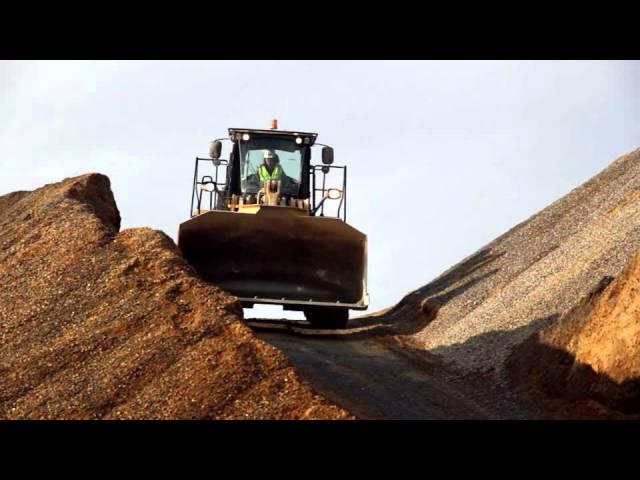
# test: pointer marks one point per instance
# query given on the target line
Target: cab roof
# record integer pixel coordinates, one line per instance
(236, 132)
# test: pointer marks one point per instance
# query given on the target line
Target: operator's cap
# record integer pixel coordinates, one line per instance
(268, 154)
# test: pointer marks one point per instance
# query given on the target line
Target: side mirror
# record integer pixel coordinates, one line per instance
(327, 155)
(215, 149)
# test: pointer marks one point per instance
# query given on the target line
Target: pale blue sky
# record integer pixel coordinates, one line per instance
(443, 156)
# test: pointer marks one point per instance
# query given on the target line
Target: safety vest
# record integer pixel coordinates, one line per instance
(265, 175)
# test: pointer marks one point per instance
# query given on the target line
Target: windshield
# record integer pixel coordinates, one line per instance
(288, 156)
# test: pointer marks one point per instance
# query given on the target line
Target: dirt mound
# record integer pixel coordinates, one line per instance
(100, 324)
(588, 363)
(477, 311)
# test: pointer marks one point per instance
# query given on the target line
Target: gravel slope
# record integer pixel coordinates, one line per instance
(477, 311)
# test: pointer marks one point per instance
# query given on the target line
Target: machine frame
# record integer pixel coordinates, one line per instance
(212, 192)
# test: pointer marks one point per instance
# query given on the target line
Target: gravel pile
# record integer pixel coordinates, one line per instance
(97, 323)
(528, 277)
(587, 364)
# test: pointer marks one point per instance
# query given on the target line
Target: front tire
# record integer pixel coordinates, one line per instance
(327, 318)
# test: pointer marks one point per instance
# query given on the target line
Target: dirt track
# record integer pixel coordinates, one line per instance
(363, 371)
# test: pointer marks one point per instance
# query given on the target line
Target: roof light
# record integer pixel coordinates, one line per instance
(298, 140)
(245, 137)
(274, 124)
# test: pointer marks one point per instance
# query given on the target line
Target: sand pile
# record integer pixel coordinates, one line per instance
(588, 363)
(477, 311)
(100, 324)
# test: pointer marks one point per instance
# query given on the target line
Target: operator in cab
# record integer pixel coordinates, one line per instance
(270, 169)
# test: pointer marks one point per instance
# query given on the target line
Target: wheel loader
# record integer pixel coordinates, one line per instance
(267, 225)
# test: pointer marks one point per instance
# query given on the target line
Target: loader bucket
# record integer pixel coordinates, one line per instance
(278, 255)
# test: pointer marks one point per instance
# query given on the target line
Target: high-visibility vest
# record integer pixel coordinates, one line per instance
(265, 175)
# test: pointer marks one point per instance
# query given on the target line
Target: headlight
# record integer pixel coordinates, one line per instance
(334, 193)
